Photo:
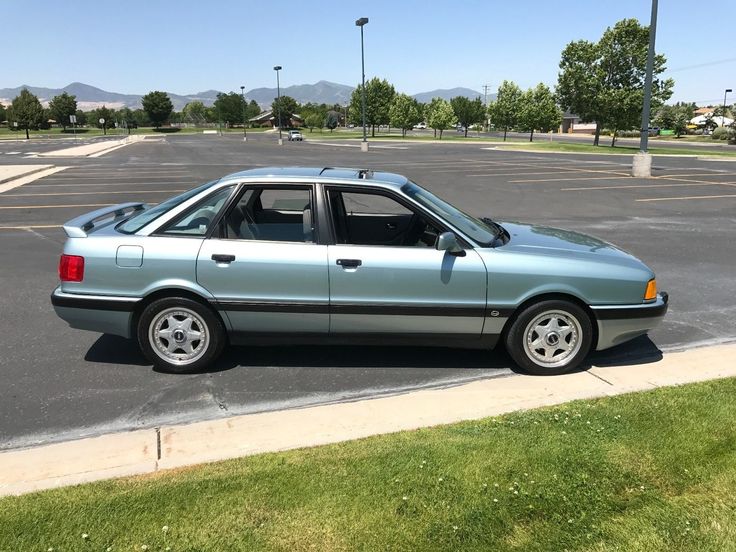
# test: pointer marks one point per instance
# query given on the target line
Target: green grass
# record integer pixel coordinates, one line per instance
(589, 148)
(640, 472)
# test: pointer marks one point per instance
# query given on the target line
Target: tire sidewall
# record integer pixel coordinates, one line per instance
(212, 321)
(515, 337)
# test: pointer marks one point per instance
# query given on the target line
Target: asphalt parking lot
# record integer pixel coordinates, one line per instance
(61, 383)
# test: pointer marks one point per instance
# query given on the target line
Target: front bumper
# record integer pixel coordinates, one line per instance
(620, 323)
(97, 313)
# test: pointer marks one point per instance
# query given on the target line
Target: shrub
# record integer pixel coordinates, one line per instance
(722, 133)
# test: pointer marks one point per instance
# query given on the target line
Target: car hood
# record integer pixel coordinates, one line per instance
(555, 241)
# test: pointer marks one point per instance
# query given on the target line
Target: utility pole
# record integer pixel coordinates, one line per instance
(485, 102)
(642, 164)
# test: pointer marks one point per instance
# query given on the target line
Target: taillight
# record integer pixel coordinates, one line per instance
(71, 268)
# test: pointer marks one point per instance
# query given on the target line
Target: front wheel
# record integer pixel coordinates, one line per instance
(180, 335)
(550, 337)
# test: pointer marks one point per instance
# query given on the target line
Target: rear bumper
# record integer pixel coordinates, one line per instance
(620, 323)
(97, 313)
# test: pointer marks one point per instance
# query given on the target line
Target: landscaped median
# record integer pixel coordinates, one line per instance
(645, 471)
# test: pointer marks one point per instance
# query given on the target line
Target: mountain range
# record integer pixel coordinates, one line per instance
(90, 97)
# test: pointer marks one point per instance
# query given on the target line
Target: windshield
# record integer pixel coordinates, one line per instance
(140, 219)
(476, 229)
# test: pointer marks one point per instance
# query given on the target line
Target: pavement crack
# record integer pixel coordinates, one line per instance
(604, 380)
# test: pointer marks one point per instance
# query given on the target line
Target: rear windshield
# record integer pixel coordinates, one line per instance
(141, 218)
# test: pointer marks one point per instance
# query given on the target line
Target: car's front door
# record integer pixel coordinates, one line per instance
(387, 277)
(264, 266)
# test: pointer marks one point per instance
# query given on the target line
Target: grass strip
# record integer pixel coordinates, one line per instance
(589, 148)
(638, 472)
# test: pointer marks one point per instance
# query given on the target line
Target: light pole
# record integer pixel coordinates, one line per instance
(642, 164)
(361, 23)
(277, 68)
(723, 113)
(242, 93)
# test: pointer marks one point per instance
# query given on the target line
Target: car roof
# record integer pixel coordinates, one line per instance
(365, 176)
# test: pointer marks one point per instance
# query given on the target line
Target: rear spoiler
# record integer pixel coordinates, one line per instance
(80, 226)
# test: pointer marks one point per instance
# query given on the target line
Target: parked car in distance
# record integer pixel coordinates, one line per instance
(348, 256)
(295, 135)
(421, 126)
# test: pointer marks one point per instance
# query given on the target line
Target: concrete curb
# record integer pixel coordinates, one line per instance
(11, 172)
(146, 451)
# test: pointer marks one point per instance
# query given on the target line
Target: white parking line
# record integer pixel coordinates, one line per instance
(93, 193)
(685, 198)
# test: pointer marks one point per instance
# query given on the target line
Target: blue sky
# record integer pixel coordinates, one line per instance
(185, 46)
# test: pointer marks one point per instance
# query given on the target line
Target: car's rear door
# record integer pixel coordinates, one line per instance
(264, 265)
(406, 287)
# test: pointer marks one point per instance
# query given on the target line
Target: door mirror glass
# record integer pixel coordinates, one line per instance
(447, 241)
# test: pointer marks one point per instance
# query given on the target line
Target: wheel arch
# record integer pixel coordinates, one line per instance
(554, 296)
(164, 293)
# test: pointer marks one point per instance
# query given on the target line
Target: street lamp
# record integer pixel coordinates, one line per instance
(242, 93)
(361, 23)
(723, 114)
(277, 68)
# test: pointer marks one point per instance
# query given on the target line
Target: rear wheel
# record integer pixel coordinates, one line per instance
(550, 337)
(180, 335)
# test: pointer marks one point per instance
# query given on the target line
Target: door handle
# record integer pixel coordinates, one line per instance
(220, 258)
(349, 263)
(390, 226)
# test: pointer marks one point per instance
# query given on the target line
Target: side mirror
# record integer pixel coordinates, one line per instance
(447, 241)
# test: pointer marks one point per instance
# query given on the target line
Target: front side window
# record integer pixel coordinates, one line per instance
(365, 218)
(198, 220)
(473, 227)
(273, 213)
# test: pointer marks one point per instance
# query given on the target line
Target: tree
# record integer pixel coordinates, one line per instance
(157, 106)
(3, 113)
(81, 117)
(104, 114)
(61, 107)
(538, 111)
(378, 97)
(26, 110)
(314, 120)
(253, 109)
(282, 109)
(141, 118)
(505, 111)
(404, 113)
(675, 117)
(604, 81)
(468, 112)
(332, 120)
(440, 115)
(230, 107)
(194, 112)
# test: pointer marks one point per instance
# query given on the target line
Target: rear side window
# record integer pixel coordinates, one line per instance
(142, 218)
(198, 220)
(272, 214)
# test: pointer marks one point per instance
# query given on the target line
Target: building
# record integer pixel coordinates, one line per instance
(268, 119)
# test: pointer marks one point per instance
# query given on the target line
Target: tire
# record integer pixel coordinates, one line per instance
(550, 337)
(179, 335)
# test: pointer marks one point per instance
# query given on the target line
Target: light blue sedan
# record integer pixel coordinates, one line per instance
(294, 255)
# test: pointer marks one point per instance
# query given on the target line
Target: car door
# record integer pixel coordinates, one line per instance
(403, 285)
(264, 266)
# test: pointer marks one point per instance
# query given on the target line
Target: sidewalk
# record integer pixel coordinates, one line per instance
(93, 150)
(150, 450)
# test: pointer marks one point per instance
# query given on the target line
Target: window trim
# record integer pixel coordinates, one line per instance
(245, 186)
